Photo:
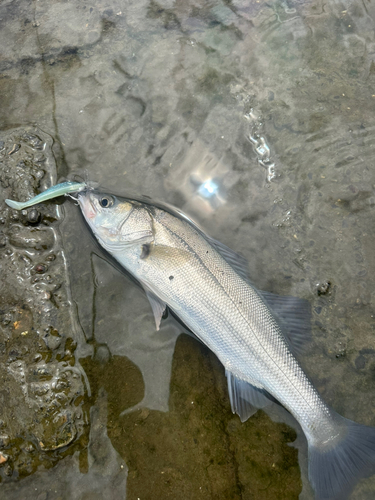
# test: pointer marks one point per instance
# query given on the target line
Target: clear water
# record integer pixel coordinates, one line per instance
(256, 118)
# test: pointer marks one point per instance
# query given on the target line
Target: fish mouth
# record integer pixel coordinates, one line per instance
(86, 204)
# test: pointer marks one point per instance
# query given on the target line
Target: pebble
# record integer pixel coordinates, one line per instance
(40, 268)
(323, 288)
(33, 216)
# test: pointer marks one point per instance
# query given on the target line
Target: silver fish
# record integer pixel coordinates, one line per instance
(204, 284)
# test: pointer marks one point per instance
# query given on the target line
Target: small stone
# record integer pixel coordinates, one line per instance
(144, 413)
(323, 288)
(27, 237)
(39, 174)
(40, 268)
(33, 216)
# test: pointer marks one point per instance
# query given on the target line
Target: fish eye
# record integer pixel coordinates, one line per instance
(106, 201)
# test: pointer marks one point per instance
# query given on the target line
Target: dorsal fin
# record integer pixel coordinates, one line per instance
(293, 316)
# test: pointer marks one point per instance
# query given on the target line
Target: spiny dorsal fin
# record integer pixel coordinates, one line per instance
(235, 260)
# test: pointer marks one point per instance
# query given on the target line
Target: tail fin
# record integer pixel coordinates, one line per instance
(334, 472)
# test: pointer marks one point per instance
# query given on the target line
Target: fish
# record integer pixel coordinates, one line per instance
(52, 192)
(254, 334)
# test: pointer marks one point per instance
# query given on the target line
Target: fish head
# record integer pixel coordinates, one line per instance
(117, 223)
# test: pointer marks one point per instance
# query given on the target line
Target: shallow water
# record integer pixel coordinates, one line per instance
(257, 119)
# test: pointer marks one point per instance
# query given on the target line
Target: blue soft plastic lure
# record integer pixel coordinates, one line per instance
(52, 192)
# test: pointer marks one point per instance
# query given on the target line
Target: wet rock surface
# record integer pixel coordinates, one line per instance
(95, 473)
(41, 385)
(257, 118)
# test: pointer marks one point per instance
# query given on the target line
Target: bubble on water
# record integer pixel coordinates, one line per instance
(259, 142)
(262, 148)
(271, 172)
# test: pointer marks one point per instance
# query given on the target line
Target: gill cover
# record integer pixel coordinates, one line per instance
(116, 223)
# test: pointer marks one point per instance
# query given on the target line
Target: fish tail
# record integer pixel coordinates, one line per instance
(334, 470)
